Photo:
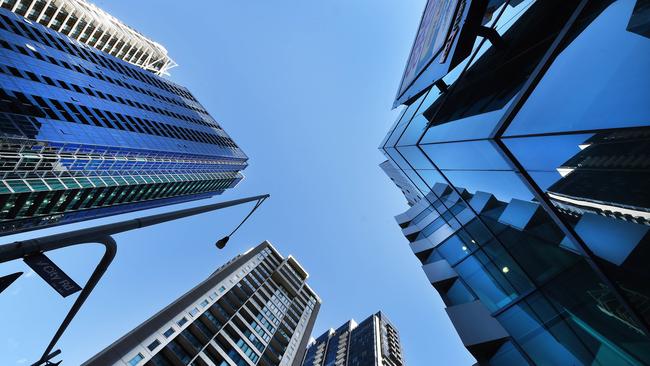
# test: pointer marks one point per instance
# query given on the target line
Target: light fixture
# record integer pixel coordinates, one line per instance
(505, 269)
(221, 243)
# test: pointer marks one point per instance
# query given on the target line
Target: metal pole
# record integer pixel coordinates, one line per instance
(102, 235)
(102, 266)
(20, 249)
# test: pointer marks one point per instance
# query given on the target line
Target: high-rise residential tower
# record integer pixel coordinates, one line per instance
(254, 310)
(525, 129)
(88, 128)
(88, 24)
(373, 342)
(411, 193)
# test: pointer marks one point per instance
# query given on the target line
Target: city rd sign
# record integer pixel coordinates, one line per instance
(52, 274)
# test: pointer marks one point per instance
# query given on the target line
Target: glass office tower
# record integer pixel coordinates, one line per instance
(525, 128)
(86, 133)
(254, 310)
(373, 342)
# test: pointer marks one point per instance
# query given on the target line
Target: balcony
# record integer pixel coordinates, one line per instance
(440, 275)
(481, 333)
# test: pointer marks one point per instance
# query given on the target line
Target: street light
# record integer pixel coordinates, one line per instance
(221, 243)
(102, 235)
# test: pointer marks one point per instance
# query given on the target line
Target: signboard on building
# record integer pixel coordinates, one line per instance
(439, 31)
(432, 35)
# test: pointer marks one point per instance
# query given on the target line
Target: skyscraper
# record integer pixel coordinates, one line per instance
(373, 342)
(88, 128)
(525, 129)
(254, 310)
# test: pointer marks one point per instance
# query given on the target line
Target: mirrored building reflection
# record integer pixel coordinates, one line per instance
(531, 152)
(88, 128)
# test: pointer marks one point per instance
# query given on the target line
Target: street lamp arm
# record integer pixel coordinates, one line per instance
(174, 215)
(102, 235)
(16, 250)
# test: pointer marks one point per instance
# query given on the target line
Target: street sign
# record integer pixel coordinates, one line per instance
(6, 281)
(52, 274)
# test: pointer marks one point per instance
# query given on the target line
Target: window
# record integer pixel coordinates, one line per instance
(196, 344)
(247, 350)
(204, 329)
(204, 303)
(153, 345)
(222, 289)
(168, 332)
(256, 342)
(182, 321)
(179, 352)
(136, 359)
(212, 319)
(194, 311)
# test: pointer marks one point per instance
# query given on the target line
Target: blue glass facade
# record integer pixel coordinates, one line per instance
(85, 134)
(533, 157)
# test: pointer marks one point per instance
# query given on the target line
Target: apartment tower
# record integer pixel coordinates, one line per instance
(373, 342)
(254, 310)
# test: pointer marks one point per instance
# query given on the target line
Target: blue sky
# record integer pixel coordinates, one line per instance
(305, 88)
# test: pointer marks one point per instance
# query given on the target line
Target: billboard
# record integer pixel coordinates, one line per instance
(439, 26)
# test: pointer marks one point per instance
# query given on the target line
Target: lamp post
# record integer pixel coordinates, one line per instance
(102, 235)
